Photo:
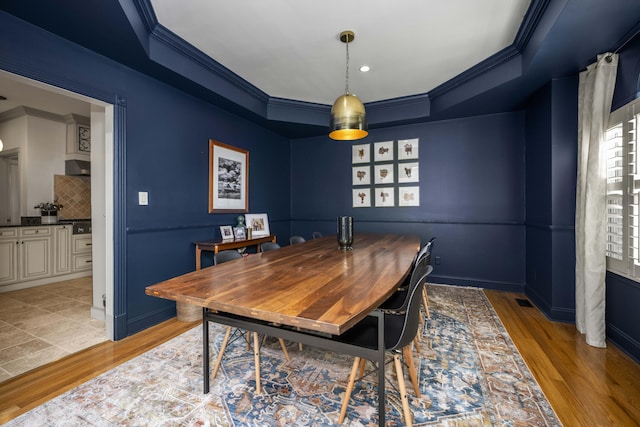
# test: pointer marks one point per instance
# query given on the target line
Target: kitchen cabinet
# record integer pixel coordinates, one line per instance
(34, 253)
(8, 255)
(81, 252)
(38, 255)
(62, 249)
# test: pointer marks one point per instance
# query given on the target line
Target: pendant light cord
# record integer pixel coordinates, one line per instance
(346, 87)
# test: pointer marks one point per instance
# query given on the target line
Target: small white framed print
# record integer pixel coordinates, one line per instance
(408, 196)
(383, 174)
(361, 153)
(361, 198)
(385, 196)
(361, 175)
(408, 172)
(383, 151)
(226, 231)
(408, 149)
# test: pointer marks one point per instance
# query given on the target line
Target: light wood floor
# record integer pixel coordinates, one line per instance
(586, 386)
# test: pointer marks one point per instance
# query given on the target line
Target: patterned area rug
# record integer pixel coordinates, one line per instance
(470, 374)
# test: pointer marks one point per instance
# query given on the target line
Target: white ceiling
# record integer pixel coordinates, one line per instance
(20, 91)
(290, 48)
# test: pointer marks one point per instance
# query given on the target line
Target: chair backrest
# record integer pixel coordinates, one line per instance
(269, 246)
(224, 256)
(411, 320)
(296, 239)
(426, 250)
(430, 243)
(316, 235)
(410, 317)
(421, 269)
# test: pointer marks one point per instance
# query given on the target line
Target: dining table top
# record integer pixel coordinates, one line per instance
(312, 285)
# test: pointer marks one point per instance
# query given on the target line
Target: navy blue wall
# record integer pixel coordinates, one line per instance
(551, 153)
(165, 153)
(471, 195)
(551, 147)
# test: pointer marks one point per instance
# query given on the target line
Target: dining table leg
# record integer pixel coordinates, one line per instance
(381, 365)
(205, 351)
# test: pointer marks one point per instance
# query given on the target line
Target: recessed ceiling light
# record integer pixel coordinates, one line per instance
(365, 68)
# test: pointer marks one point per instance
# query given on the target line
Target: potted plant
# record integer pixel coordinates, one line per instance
(49, 212)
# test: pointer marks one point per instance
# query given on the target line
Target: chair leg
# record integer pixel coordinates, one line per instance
(256, 354)
(347, 393)
(416, 342)
(425, 301)
(403, 391)
(284, 348)
(363, 363)
(408, 357)
(223, 346)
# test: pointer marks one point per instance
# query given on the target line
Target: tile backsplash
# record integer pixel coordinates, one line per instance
(74, 194)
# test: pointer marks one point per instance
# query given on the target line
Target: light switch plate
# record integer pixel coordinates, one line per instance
(143, 198)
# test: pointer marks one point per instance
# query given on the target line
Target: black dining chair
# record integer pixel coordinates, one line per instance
(269, 246)
(233, 334)
(224, 256)
(399, 298)
(400, 329)
(296, 239)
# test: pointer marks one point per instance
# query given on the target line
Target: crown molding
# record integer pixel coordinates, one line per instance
(530, 22)
(171, 51)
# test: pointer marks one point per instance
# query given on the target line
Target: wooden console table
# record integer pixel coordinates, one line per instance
(216, 246)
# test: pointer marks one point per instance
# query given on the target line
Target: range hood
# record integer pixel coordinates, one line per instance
(77, 168)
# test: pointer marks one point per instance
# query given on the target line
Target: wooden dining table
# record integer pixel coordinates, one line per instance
(309, 293)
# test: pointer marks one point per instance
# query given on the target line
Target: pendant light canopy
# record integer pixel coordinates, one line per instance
(348, 117)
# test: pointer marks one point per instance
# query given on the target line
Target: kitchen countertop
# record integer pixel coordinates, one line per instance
(60, 222)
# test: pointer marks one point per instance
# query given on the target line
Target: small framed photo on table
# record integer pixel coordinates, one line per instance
(239, 234)
(226, 231)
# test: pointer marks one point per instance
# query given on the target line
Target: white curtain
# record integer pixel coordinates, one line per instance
(595, 93)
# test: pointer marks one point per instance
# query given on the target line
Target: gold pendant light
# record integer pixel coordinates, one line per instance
(348, 117)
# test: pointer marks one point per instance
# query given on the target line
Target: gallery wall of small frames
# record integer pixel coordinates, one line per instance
(386, 174)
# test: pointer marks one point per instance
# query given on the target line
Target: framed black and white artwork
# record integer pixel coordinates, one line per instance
(228, 178)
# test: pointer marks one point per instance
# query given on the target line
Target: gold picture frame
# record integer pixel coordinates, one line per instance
(228, 178)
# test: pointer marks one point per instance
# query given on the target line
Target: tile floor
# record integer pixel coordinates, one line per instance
(42, 324)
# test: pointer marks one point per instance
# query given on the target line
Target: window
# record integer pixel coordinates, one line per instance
(623, 191)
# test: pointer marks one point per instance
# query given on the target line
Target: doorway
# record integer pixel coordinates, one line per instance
(102, 117)
(10, 187)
